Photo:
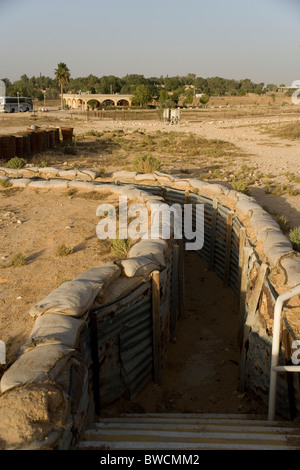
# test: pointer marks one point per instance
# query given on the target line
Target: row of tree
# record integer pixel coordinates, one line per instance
(167, 91)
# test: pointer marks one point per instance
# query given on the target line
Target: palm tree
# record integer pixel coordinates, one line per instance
(62, 75)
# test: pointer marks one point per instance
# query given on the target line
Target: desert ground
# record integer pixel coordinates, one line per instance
(247, 146)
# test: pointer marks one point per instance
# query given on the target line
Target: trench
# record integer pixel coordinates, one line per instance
(201, 371)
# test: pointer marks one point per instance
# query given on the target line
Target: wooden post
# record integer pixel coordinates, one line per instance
(181, 289)
(156, 327)
(246, 253)
(250, 320)
(187, 196)
(95, 361)
(213, 234)
(256, 293)
(228, 247)
(175, 296)
(242, 244)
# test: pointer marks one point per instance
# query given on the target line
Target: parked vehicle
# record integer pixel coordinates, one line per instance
(10, 104)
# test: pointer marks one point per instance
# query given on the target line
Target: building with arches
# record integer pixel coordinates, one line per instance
(85, 101)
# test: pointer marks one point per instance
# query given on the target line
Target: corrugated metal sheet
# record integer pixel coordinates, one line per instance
(165, 306)
(124, 332)
(155, 190)
(123, 358)
(174, 196)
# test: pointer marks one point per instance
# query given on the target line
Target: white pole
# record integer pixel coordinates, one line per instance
(276, 347)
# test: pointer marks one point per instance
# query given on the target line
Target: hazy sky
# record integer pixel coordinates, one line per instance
(256, 39)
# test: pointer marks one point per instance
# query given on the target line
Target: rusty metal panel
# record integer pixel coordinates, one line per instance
(124, 337)
(155, 190)
(165, 306)
(174, 196)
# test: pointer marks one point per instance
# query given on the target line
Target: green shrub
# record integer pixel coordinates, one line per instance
(294, 236)
(18, 259)
(101, 171)
(146, 163)
(43, 164)
(16, 162)
(93, 133)
(5, 183)
(69, 150)
(283, 223)
(240, 186)
(63, 250)
(120, 246)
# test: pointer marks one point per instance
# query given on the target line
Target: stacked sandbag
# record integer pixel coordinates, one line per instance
(38, 365)
(145, 257)
(50, 351)
(75, 297)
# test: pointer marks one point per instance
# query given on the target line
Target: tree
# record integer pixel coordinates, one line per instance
(173, 83)
(204, 99)
(142, 95)
(62, 75)
(189, 97)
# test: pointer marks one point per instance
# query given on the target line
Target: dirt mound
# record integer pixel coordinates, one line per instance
(29, 413)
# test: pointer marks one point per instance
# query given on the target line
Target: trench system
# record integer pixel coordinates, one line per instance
(203, 363)
(201, 370)
(201, 373)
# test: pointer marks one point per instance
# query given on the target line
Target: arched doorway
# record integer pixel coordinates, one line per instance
(108, 102)
(123, 103)
(93, 104)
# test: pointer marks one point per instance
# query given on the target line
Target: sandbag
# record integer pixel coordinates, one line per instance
(28, 172)
(11, 172)
(81, 185)
(140, 266)
(118, 289)
(70, 298)
(100, 274)
(87, 174)
(69, 174)
(124, 175)
(41, 184)
(20, 182)
(48, 172)
(37, 365)
(57, 184)
(53, 328)
(145, 177)
(151, 249)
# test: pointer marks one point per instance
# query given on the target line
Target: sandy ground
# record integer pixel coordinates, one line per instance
(35, 222)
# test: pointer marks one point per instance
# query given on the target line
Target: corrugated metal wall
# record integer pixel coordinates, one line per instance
(122, 340)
